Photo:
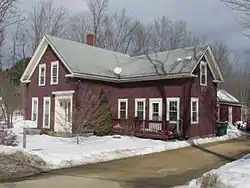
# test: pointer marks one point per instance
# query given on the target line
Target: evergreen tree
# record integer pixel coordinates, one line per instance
(103, 116)
(15, 72)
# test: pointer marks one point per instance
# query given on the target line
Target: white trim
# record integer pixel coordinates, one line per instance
(39, 75)
(216, 64)
(214, 61)
(218, 112)
(119, 106)
(144, 106)
(230, 114)
(35, 58)
(42, 47)
(51, 72)
(174, 99)
(155, 100)
(32, 108)
(44, 101)
(194, 99)
(69, 92)
(202, 63)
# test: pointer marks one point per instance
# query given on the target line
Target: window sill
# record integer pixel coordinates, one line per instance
(194, 123)
(53, 83)
(41, 85)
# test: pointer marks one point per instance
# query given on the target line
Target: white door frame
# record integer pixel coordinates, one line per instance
(58, 96)
(230, 114)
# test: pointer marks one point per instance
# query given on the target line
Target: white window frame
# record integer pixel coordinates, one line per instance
(119, 106)
(39, 81)
(194, 99)
(144, 106)
(44, 102)
(202, 63)
(173, 99)
(51, 72)
(32, 108)
(155, 100)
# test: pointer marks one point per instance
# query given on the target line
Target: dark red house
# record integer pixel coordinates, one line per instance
(229, 108)
(169, 92)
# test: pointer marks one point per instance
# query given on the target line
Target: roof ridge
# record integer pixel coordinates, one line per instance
(95, 47)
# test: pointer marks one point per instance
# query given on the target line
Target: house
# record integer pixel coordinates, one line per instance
(229, 108)
(170, 92)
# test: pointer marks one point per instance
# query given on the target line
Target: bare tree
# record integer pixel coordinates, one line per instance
(8, 16)
(97, 10)
(242, 6)
(119, 30)
(80, 25)
(46, 18)
(10, 94)
(165, 35)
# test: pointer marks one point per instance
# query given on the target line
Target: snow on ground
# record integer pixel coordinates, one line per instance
(64, 152)
(235, 174)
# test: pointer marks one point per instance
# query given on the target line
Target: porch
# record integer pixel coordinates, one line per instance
(161, 130)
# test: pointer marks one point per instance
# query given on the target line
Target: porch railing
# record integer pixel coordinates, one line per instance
(147, 127)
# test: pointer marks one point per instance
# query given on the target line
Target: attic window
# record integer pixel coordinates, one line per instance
(42, 74)
(54, 73)
(203, 73)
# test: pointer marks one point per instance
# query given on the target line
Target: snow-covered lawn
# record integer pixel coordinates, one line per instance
(64, 152)
(233, 175)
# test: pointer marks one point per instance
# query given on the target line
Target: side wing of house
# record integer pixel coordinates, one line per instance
(49, 93)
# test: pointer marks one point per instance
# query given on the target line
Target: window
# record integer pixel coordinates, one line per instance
(42, 74)
(122, 108)
(34, 111)
(46, 112)
(203, 73)
(194, 110)
(54, 72)
(155, 109)
(140, 108)
(173, 109)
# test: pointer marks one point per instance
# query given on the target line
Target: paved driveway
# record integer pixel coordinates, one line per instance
(165, 169)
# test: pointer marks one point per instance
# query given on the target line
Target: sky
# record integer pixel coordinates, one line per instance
(204, 17)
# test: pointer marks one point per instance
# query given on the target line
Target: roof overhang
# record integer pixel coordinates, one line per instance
(130, 79)
(230, 103)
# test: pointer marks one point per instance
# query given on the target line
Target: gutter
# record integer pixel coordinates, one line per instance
(130, 79)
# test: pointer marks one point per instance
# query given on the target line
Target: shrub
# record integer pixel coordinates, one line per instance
(47, 132)
(7, 136)
(103, 117)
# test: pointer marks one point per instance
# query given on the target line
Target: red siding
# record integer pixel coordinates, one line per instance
(182, 88)
(33, 90)
(236, 113)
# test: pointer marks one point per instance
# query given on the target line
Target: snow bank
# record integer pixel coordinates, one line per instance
(231, 175)
(64, 152)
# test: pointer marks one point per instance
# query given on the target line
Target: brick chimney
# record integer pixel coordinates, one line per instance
(90, 39)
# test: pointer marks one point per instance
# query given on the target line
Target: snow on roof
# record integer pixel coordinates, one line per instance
(224, 96)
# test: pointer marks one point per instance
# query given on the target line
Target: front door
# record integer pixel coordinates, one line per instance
(230, 114)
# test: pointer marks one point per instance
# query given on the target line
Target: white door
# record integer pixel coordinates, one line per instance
(230, 114)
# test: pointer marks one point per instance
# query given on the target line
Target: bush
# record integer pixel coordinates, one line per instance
(47, 132)
(103, 117)
(7, 136)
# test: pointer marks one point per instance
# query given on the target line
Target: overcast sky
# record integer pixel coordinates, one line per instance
(204, 17)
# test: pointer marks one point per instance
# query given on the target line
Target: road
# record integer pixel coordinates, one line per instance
(165, 169)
